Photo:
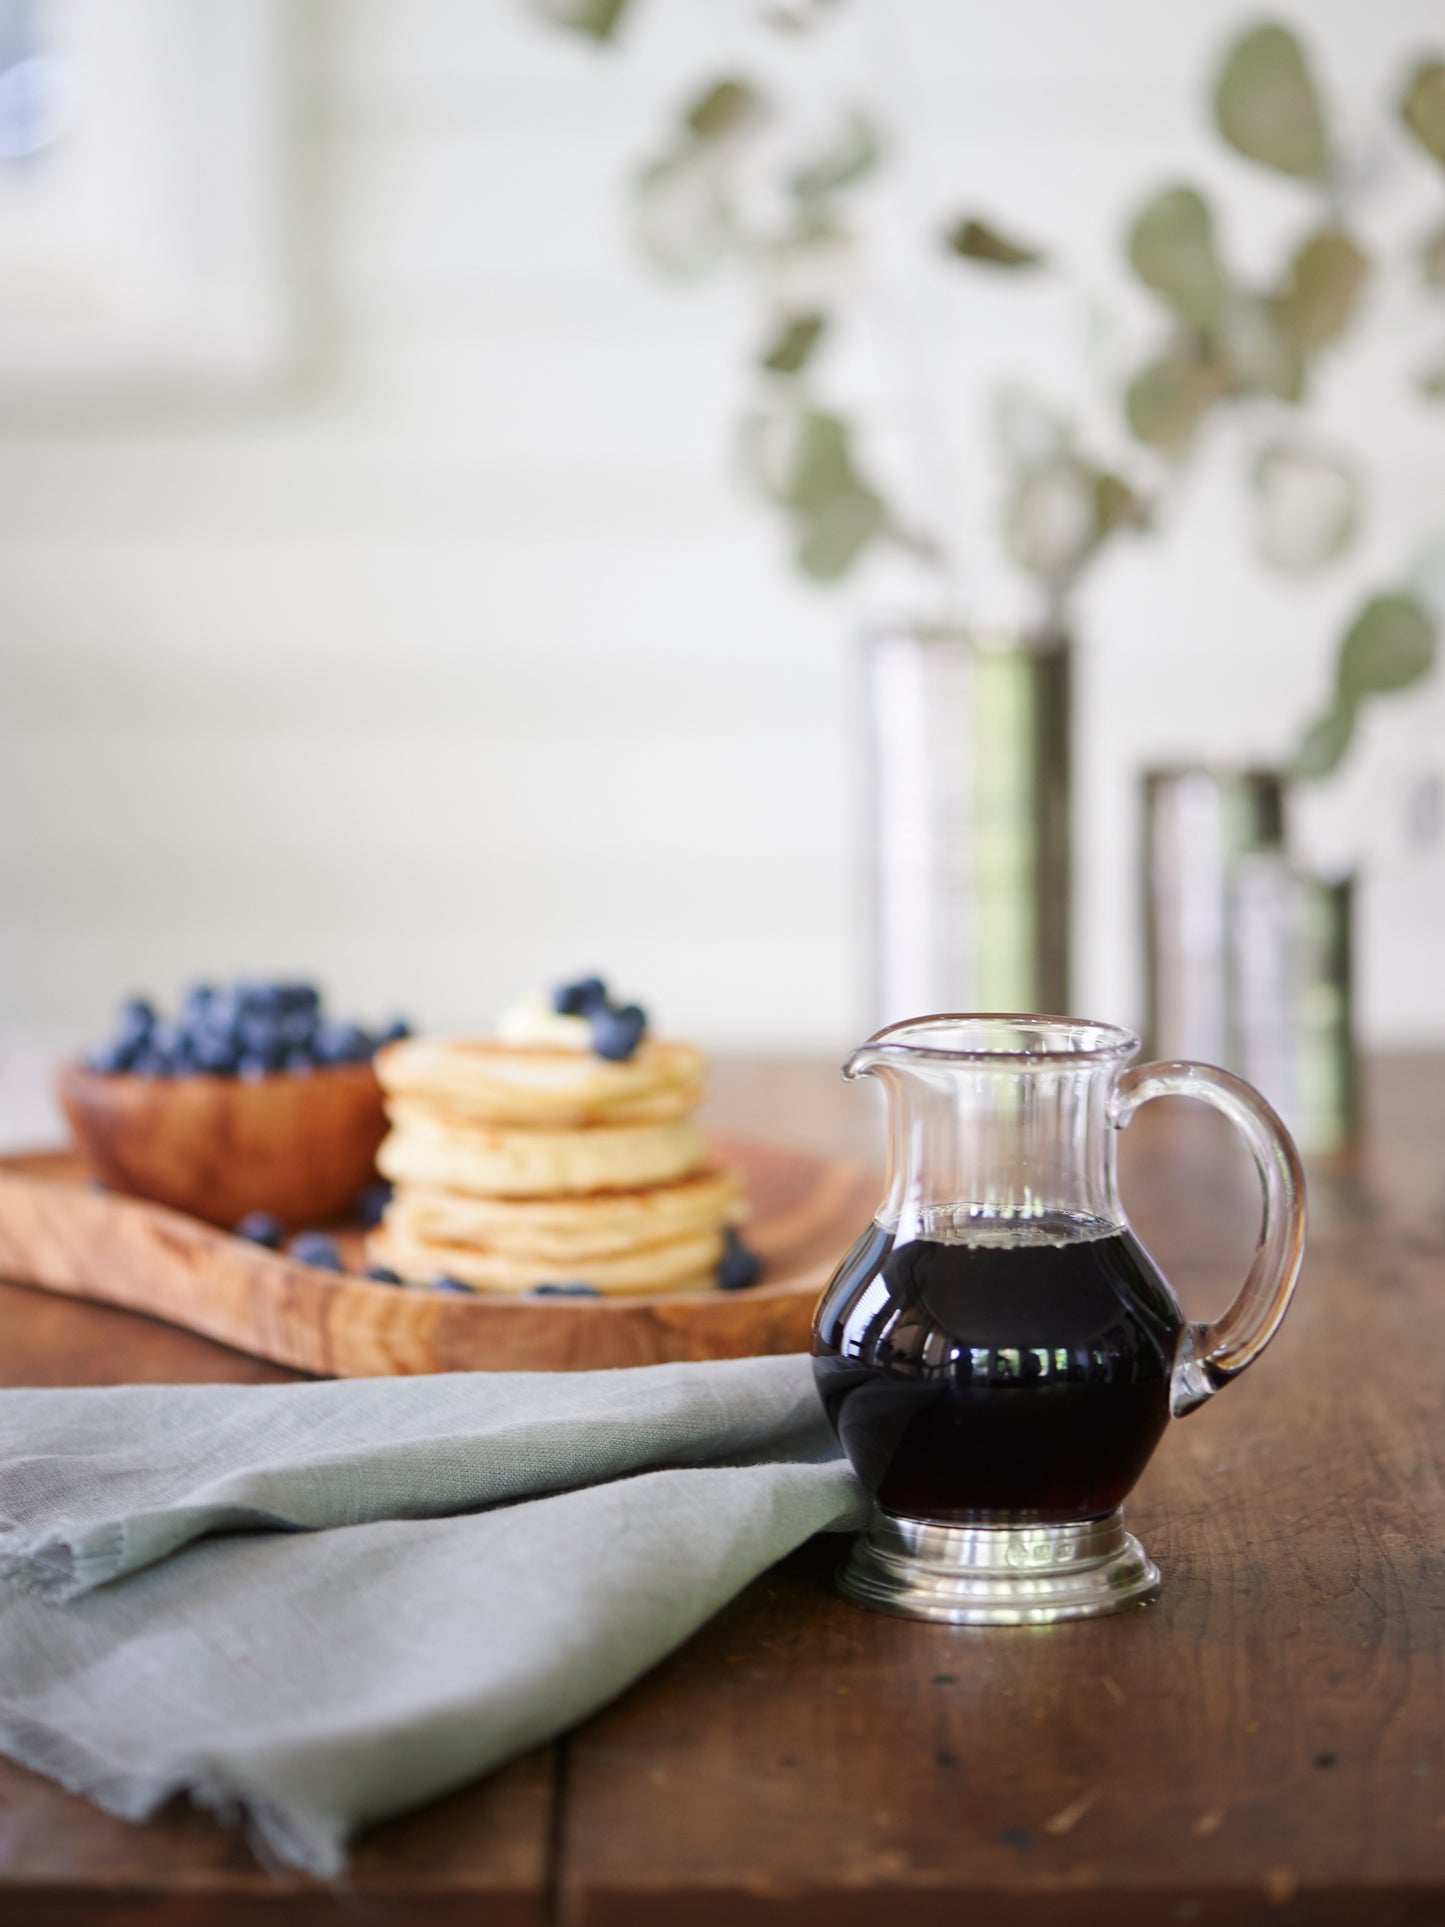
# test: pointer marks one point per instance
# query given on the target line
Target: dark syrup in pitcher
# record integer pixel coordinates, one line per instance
(1007, 1372)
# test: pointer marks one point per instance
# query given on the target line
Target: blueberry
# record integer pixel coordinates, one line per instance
(216, 1055)
(341, 1043)
(223, 1012)
(253, 1068)
(167, 1039)
(257, 998)
(579, 999)
(383, 1275)
(371, 1205)
(300, 1063)
(617, 1033)
(118, 1055)
(258, 1035)
(565, 1291)
(135, 1020)
(298, 1000)
(394, 1032)
(739, 1267)
(444, 1283)
(151, 1064)
(316, 1249)
(296, 1029)
(196, 1003)
(260, 1228)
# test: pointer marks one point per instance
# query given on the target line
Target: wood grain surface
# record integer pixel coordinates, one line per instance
(57, 1233)
(1266, 1744)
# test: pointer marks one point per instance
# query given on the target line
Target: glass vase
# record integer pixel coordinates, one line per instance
(968, 843)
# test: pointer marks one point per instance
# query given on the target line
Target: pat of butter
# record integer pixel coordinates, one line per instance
(532, 1020)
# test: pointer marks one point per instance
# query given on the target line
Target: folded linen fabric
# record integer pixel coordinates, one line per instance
(317, 1605)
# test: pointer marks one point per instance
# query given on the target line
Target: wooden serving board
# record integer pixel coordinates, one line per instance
(58, 1233)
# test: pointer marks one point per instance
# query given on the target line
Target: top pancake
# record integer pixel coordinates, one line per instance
(484, 1081)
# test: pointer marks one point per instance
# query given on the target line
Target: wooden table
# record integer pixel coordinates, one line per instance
(1265, 1744)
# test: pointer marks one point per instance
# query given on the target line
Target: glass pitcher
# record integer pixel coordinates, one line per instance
(998, 1353)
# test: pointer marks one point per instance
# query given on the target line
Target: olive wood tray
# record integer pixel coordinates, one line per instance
(60, 1233)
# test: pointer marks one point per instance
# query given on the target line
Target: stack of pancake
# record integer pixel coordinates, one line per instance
(518, 1166)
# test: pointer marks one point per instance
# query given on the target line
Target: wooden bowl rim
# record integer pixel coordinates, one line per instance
(75, 1073)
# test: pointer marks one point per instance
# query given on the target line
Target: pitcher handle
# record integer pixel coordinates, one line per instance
(1209, 1355)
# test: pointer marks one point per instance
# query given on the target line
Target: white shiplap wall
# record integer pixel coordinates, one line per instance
(460, 660)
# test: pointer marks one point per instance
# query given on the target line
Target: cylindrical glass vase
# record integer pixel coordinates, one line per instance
(1248, 957)
(1198, 824)
(968, 740)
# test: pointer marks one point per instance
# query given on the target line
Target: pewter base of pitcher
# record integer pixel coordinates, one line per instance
(998, 1575)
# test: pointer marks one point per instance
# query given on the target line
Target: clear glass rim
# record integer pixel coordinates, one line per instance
(1089, 1041)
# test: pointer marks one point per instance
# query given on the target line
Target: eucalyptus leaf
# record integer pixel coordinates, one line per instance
(1171, 249)
(598, 19)
(796, 19)
(681, 217)
(976, 240)
(1116, 505)
(1266, 107)
(817, 461)
(724, 107)
(793, 344)
(1166, 400)
(1432, 259)
(1049, 522)
(1307, 507)
(1423, 107)
(836, 535)
(854, 154)
(1323, 747)
(1264, 357)
(1322, 287)
(1390, 645)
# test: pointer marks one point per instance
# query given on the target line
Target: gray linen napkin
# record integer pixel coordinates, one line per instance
(289, 1602)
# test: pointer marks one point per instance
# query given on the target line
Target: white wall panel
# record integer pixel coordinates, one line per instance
(462, 659)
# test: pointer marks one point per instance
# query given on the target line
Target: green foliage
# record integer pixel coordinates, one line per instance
(1059, 505)
(1166, 401)
(854, 155)
(1423, 107)
(1307, 506)
(975, 240)
(833, 538)
(1265, 104)
(1389, 646)
(803, 459)
(1171, 249)
(793, 344)
(1058, 514)
(725, 107)
(683, 214)
(1230, 341)
(596, 19)
(1323, 745)
(1116, 506)
(1226, 342)
(1261, 356)
(1320, 292)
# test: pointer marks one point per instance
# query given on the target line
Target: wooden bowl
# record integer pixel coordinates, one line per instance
(301, 1147)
